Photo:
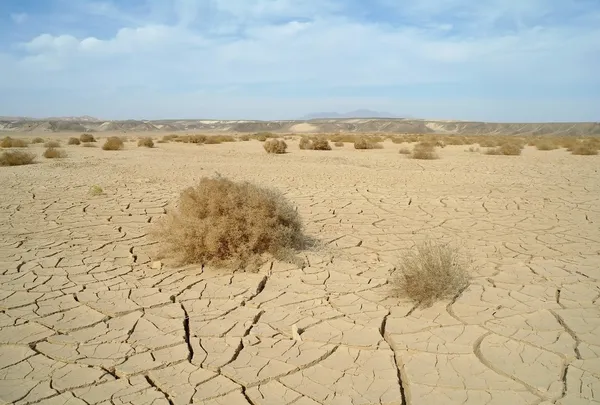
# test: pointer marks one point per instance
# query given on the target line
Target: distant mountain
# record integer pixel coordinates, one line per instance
(362, 113)
(84, 118)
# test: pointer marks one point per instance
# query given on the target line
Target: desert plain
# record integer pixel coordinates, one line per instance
(89, 315)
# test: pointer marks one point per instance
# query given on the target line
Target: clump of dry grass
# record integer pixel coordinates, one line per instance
(424, 151)
(404, 151)
(8, 142)
(276, 146)
(52, 144)
(37, 140)
(147, 142)
(113, 143)
(96, 190)
(338, 144)
(87, 138)
(245, 138)
(54, 153)
(305, 144)
(433, 272)
(472, 149)
(263, 136)
(545, 145)
(364, 143)
(73, 141)
(506, 149)
(587, 148)
(224, 223)
(321, 144)
(16, 158)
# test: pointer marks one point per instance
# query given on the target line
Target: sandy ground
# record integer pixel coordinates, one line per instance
(87, 317)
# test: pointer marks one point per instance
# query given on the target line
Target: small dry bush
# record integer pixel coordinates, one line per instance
(224, 223)
(54, 153)
(263, 136)
(16, 158)
(9, 142)
(585, 149)
(507, 149)
(305, 144)
(321, 144)
(433, 272)
(52, 144)
(245, 138)
(367, 143)
(96, 190)
(455, 140)
(73, 141)
(424, 151)
(404, 151)
(147, 142)
(338, 144)
(37, 140)
(472, 149)
(276, 146)
(545, 145)
(87, 138)
(113, 143)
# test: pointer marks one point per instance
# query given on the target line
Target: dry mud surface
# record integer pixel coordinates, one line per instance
(87, 317)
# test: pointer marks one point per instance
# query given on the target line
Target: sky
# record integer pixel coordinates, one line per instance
(485, 60)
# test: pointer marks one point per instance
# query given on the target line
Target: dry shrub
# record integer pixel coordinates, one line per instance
(263, 136)
(245, 138)
(404, 151)
(431, 273)
(37, 140)
(73, 141)
(472, 149)
(96, 190)
(364, 143)
(424, 151)
(338, 144)
(54, 153)
(488, 142)
(305, 144)
(276, 146)
(506, 149)
(52, 144)
(113, 143)
(147, 142)
(455, 140)
(344, 138)
(545, 145)
(321, 144)
(16, 158)
(9, 142)
(585, 149)
(224, 223)
(87, 138)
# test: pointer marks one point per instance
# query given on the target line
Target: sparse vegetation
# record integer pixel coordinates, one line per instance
(338, 144)
(52, 144)
(424, 151)
(473, 149)
(588, 148)
(8, 142)
(365, 143)
(276, 146)
(245, 138)
(321, 144)
(305, 144)
(506, 149)
(404, 151)
(433, 272)
(545, 145)
(224, 223)
(96, 190)
(113, 143)
(147, 142)
(74, 141)
(87, 138)
(37, 140)
(54, 153)
(16, 158)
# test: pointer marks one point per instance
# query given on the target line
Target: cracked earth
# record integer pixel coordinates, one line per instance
(87, 315)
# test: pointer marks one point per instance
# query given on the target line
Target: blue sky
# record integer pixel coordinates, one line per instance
(490, 60)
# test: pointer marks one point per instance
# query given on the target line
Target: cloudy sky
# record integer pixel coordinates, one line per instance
(493, 60)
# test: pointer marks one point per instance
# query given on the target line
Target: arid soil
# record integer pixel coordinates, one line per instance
(88, 315)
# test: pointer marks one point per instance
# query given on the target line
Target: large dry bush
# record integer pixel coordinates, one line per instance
(545, 145)
(16, 158)
(305, 144)
(424, 151)
(37, 140)
(52, 144)
(73, 141)
(8, 142)
(585, 149)
(113, 143)
(364, 143)
(321, 144)
(224, 223)
(404, 151)
(506, 149)
(147, 142)
(277, 146)
(87, 138)
(433, 272)
(54, 153)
